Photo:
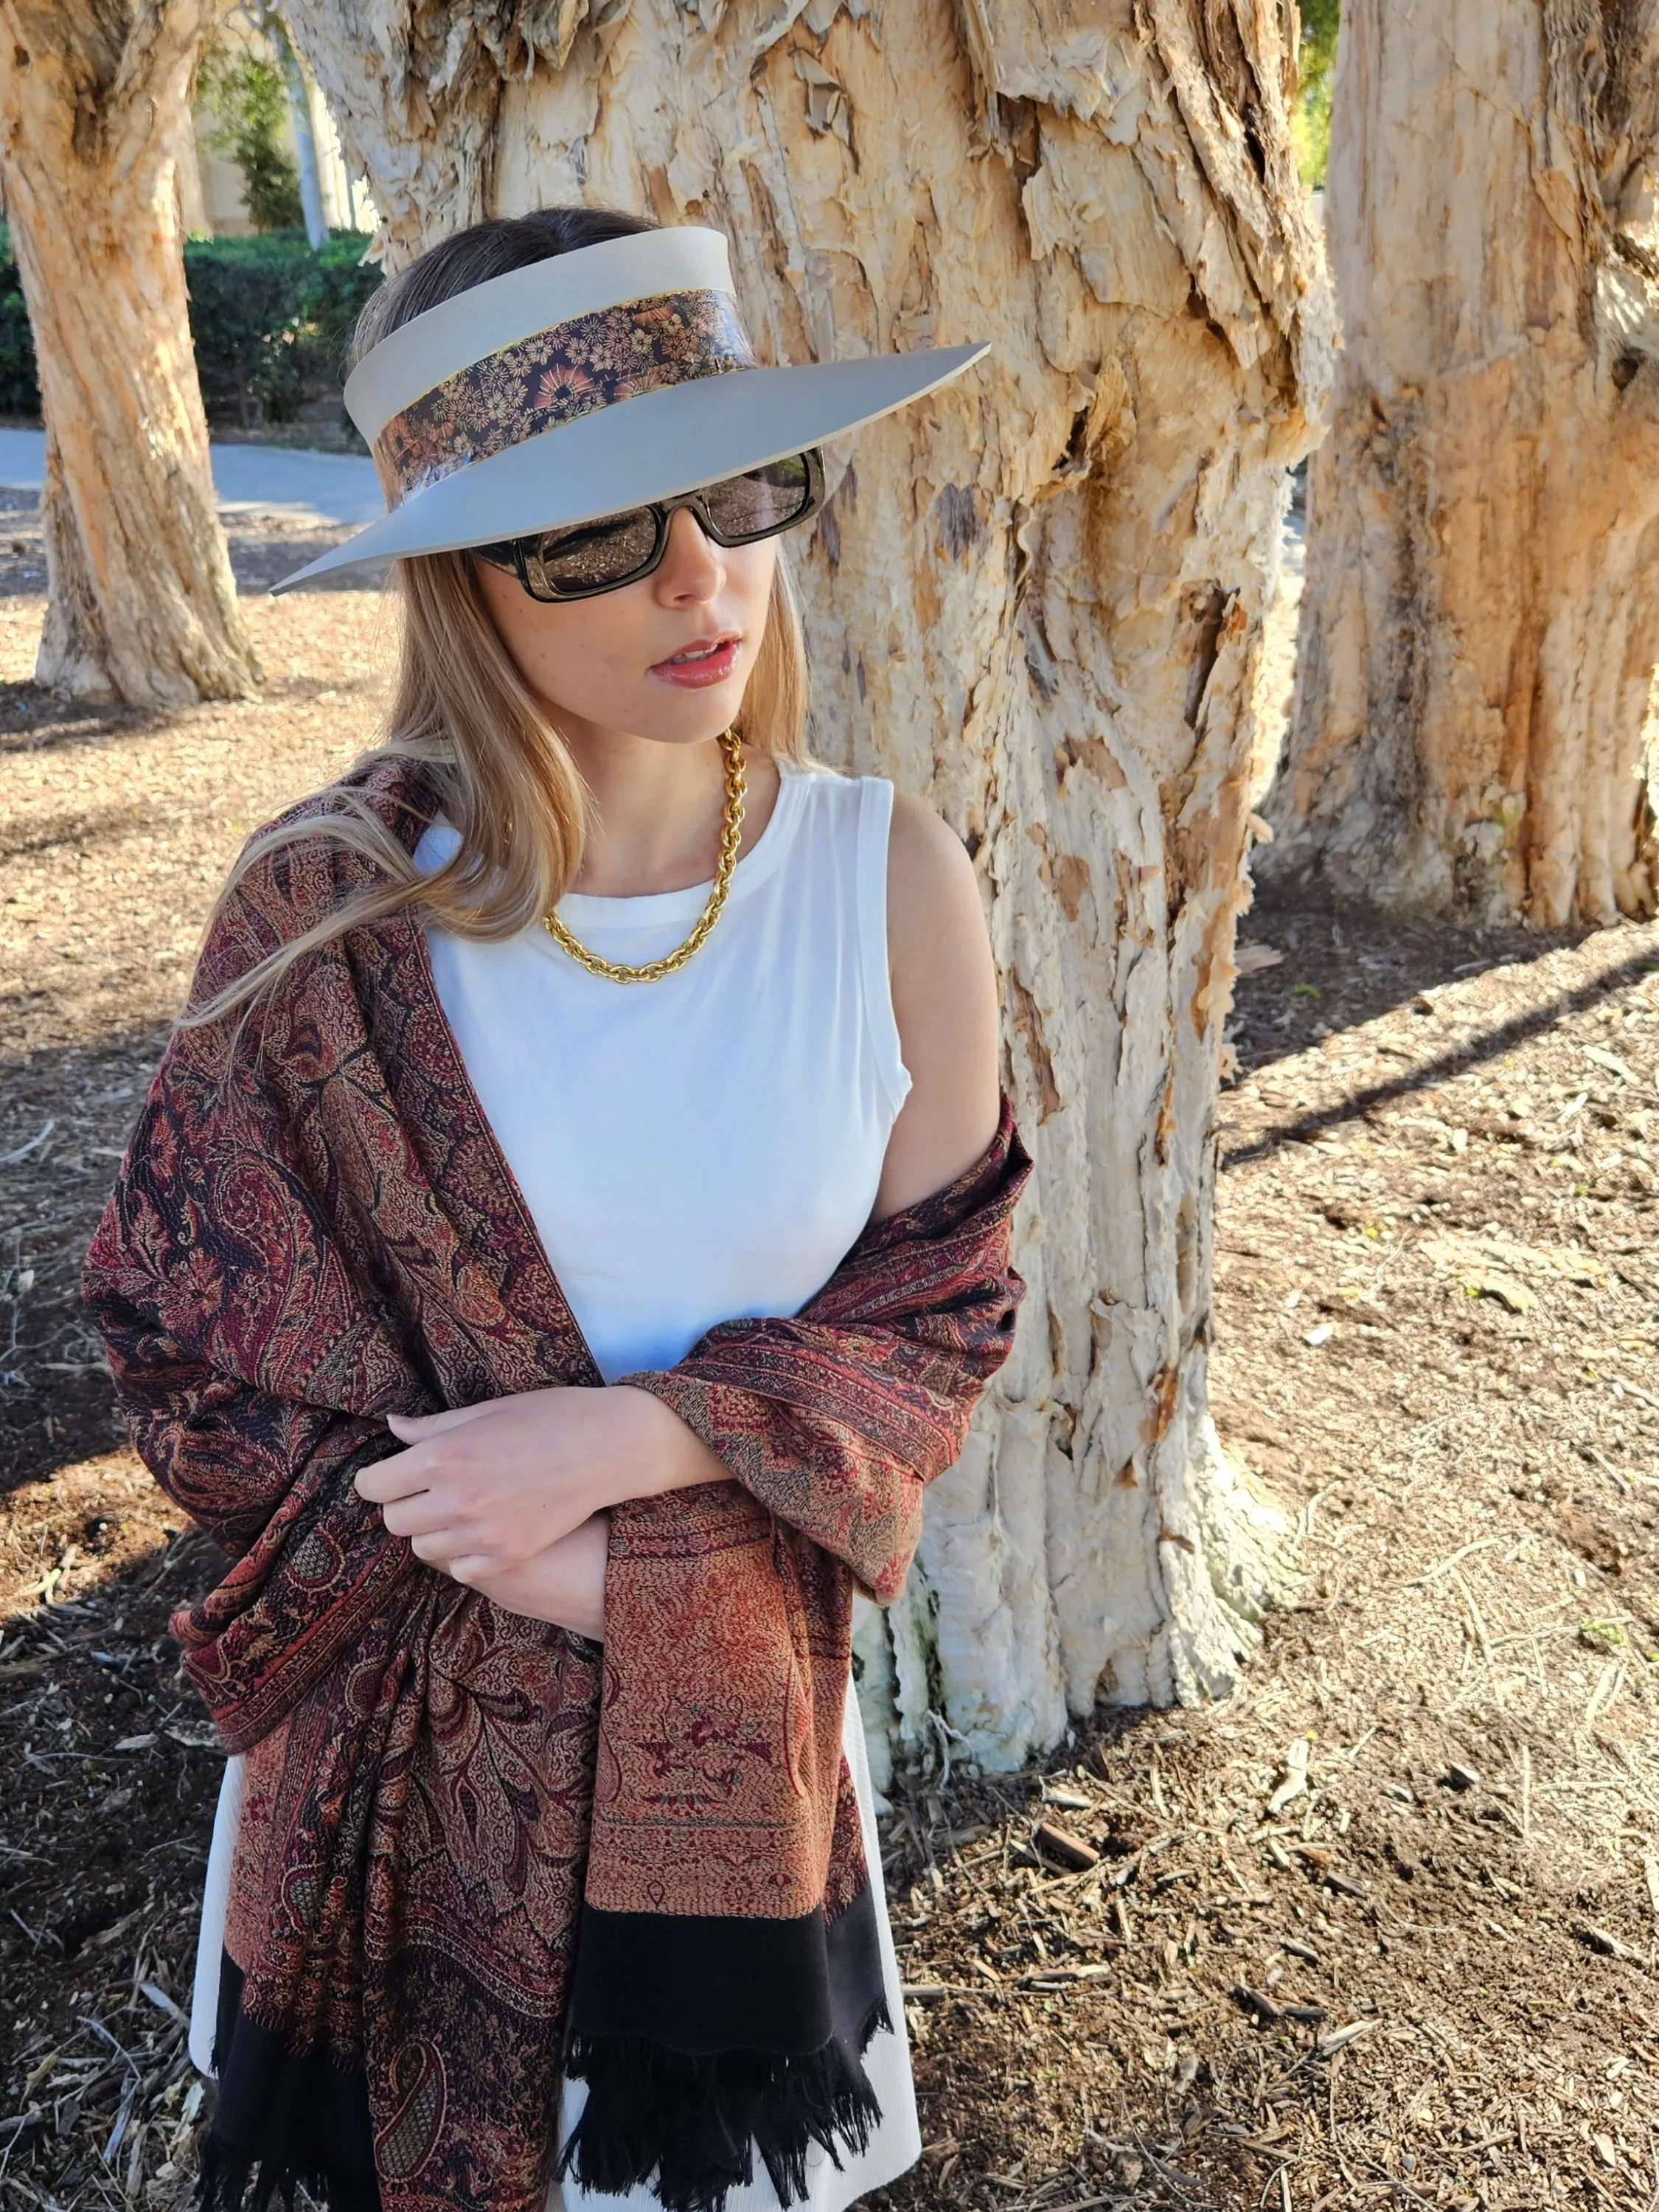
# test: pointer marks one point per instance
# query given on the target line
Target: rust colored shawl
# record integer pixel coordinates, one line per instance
(477, 1850)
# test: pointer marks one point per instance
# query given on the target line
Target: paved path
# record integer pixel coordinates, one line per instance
(323, 488)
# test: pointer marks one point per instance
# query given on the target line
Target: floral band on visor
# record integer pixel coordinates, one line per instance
(554, 376)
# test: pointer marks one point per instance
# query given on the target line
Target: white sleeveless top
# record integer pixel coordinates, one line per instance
(707, 1146)
(691, 1150)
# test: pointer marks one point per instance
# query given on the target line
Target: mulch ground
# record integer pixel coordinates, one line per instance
(1384, 1924)
(1381, 1928)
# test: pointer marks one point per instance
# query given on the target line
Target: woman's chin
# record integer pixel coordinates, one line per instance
(665, 716)
(692, 714)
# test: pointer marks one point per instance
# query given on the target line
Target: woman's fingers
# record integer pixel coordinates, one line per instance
(434, 1425)
(429, 1517)
(442, 1548)
(494, 1496)
(422, 1514)
(435, 1547)
(402, 1474)
(562, 1582)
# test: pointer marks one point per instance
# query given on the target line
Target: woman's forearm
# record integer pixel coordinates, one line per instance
(651, 1451)
(665, 1454)
(480, 1488)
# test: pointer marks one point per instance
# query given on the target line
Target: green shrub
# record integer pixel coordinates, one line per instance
(1310, 121)
(270, 321)
(245, 93)
(19, 393)
(243, 321)
(336, 285)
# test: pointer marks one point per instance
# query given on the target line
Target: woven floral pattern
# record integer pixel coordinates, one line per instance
(554, 376)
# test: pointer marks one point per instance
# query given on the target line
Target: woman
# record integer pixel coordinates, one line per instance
(566, 1232)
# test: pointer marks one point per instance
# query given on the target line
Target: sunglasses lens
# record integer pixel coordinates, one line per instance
(760, 500)
(598, 553)
(596, 557)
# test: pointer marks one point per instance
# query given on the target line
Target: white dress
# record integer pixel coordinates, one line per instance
(691, 1150)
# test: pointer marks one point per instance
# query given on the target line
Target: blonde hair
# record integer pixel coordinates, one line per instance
(502, 773)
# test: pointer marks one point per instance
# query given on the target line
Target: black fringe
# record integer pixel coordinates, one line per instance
(694, 2123)
(303, 2121)
(227, 2182)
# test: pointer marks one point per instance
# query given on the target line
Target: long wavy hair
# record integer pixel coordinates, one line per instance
(504, 775)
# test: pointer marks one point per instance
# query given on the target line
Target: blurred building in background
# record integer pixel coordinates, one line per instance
(213, 192)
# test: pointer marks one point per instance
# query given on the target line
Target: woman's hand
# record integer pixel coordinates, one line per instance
(563, 1583)
(482, 1489)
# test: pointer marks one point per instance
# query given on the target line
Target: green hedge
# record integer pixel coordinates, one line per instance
(19, 392)
(270, 321)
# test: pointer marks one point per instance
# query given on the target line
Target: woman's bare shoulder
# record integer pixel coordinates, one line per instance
(933, 896)
(921, 837)
(945, 1001)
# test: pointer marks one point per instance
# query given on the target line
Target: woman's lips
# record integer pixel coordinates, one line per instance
(702, 669)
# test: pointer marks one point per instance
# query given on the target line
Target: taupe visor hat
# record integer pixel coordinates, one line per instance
(587, 384)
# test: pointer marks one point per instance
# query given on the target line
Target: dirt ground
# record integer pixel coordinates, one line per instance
(1383, 1927)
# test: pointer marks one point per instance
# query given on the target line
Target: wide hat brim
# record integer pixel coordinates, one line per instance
(651, 446)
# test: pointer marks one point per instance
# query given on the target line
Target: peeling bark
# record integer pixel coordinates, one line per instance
(94, 113)
(416, 93)
(1475, 715)
(1037, 596)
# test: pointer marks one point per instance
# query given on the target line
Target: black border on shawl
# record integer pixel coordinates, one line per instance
(706, 2039)
(298, 2118)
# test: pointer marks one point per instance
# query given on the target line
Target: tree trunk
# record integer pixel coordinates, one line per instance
(1038, 597)
(94, 108)
(1475, 711)
(305, 142)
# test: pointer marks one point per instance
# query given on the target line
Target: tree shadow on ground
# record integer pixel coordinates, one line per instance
(1345, 964)
(64, 1126)
(113, 1775)
(34, 719)
(1346, 967)
(263, 548)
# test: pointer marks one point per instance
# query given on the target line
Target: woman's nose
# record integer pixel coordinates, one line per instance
(691, 567)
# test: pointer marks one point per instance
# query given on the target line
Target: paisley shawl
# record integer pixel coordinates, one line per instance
(479, 1851)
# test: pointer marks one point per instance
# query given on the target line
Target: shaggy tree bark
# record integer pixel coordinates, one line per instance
(94, 106)
(1036, 596)
(1475, 709)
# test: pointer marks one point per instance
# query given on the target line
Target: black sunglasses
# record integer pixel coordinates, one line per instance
(591, 557)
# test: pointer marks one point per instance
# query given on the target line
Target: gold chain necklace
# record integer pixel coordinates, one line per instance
(650, 971)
